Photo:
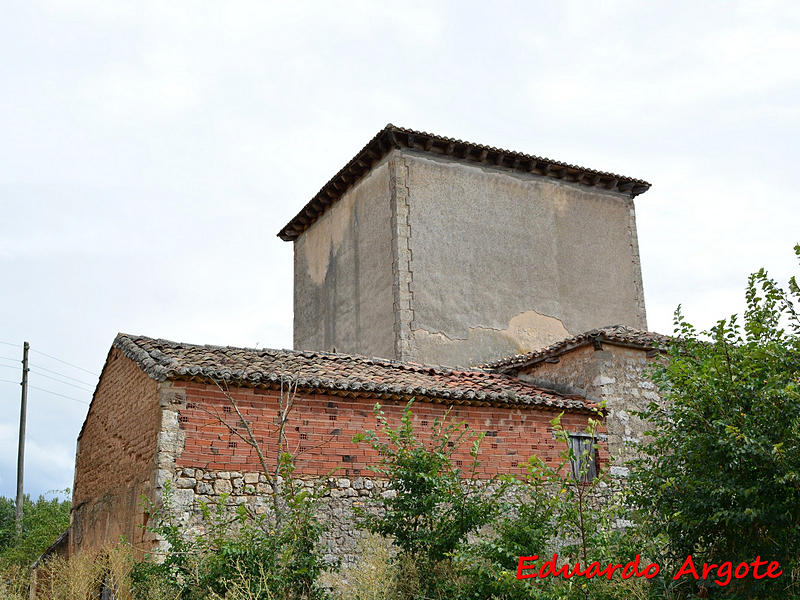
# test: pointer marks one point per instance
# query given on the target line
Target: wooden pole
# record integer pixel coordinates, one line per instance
(22, 416)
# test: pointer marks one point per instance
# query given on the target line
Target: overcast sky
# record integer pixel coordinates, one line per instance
(150, 152)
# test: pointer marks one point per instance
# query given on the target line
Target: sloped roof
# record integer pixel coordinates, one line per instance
(393, 137)
(619, 335)
(338, 374)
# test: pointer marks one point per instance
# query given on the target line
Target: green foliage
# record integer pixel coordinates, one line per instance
(433, 505)
(238, 553)
(720, 476)
(552, 508)
(42, 522)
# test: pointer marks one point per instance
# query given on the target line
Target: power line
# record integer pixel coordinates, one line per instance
(57, 394)
(17, 361)
(46, 391)
(66, 363)
(10, 344)
(85, 389)
(64, 376)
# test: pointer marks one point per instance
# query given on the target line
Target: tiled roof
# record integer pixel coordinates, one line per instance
(338, 374)
(392, 137)
(619, 335)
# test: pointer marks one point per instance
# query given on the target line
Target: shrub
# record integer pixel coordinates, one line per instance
(720, 476)
(229, 552)
(42, 522)
(549, 509)
(433, 505)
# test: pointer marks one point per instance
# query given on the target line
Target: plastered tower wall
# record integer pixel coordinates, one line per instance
(506, 263)
(343, 277)
(439, 261)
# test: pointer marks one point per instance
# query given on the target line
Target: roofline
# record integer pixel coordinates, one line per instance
(513, 364)
(392, 137)
(347, 388)
(572, 403)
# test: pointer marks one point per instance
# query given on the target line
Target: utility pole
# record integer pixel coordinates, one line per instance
(22, 415)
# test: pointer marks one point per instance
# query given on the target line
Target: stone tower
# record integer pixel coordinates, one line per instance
(429, 249)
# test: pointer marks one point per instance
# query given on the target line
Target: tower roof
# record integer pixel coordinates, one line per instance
(393, 137)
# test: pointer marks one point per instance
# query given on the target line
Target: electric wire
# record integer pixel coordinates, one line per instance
(82, 388)
(86, 383)
(57, 394)
(46, 391)
(82, 385)
(65, 362)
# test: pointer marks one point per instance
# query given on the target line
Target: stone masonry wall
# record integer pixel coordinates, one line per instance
(616, 375)
(203, 460)
(115, 457)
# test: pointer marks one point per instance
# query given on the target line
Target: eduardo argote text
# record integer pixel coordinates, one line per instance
(722, 574)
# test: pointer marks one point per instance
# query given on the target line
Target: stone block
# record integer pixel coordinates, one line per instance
(223, 486)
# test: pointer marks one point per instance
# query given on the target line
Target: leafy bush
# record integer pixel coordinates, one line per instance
(720, 476)
(231, 552)
(432, 505)
(549, 509)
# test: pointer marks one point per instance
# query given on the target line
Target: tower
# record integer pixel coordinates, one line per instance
(434, 250)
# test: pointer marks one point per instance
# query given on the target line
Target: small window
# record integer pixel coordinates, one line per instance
(584, 462)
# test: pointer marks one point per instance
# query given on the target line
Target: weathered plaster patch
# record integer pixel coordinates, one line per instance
(533, 330)
(527, 331)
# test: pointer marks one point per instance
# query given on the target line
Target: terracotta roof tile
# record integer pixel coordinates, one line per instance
(620, 335)
(393, 137)
(338, 373)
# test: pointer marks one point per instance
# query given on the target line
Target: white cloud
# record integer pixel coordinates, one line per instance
(151, 150)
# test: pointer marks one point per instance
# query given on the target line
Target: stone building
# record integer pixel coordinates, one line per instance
(422, 251)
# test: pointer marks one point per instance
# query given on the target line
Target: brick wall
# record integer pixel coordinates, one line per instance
(322, 427)
(115, 457)
(207, 460)
(139, 434)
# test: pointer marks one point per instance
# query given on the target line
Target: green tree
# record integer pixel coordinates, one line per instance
(43, 521)
(720, 473)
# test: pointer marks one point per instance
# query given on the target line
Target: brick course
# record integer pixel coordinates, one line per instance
(114, 461)
(321, 429)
